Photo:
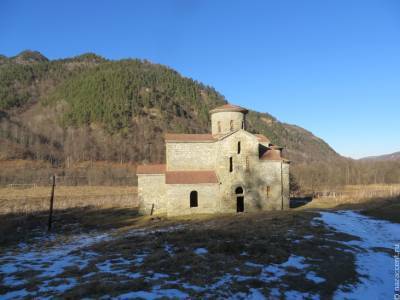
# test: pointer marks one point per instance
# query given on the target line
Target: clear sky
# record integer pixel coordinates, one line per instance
(332, 67)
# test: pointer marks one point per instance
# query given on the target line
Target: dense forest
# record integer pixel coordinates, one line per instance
(90, 109)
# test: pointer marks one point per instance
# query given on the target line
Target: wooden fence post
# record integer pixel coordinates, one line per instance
(51, 204)
(152, 209)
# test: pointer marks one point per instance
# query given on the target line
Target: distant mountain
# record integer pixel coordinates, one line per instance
(29, 57)
(88, 108)
(386, 157)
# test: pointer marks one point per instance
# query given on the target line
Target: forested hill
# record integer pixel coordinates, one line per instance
(90, 108)
(386, 157)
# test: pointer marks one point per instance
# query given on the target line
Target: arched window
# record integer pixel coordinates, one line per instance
(242, 124)
(231, 125)
(239, 190)
(230, 164)
(193, 199)
(267, 191)
(239, 147)
(219, 126)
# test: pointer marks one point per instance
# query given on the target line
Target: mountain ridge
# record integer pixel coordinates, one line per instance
(395, 156)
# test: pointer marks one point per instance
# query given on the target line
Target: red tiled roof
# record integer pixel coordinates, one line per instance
(229, 107)
(262, 138)
(190, 177)
(183, 137)
(272, 146)
(150, 169)
(271, 154)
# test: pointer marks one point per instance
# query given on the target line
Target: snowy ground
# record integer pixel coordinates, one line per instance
(373, 251)
(53, 265)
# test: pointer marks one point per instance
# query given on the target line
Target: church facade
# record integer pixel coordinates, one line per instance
(229, 170)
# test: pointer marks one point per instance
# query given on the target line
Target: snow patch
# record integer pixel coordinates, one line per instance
(169, 249)
(146, 232)
(200, 251)
(47, 262)
(253, 265)
(154, 294)
(314, 277)
(375, 268)
(15, 294)
(300, 295)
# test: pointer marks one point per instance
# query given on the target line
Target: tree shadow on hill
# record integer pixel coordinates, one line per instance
(21, 227)
(3, 115)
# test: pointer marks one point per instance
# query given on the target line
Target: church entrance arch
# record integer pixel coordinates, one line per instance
(239, 193)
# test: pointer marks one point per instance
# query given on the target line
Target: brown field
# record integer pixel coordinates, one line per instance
(353, 195)
(36, 199)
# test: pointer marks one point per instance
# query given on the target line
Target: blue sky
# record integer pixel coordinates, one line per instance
(332, 67)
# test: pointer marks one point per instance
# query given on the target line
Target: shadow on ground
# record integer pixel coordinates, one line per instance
(299, 201)
(279, 254)
(17, 228)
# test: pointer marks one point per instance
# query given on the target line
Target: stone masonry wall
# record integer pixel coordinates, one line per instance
(286, 183)
(242, 164)
(261, 180)
(151, 190)
(224, 119)
(178, 196)
(270, 173)
(191, 156)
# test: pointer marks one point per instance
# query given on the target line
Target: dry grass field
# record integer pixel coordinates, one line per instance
(353, 195)
(36, 199)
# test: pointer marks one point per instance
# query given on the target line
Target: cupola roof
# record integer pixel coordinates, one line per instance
(229, 107)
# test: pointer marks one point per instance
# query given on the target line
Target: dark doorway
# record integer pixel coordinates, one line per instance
(193, 199)
(239, 199)
(239, 204)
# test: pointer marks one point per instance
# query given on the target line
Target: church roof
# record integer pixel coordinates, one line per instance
(271, 154)
(183, 137)
(191, 177)
(262, 138)
(229, 107)
(151, 169)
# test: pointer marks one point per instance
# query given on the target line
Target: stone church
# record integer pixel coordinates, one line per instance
(229, 170)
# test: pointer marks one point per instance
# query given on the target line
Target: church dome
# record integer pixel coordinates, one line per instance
(229, 108)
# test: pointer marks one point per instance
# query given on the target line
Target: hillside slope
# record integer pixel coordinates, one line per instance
(88, 108)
